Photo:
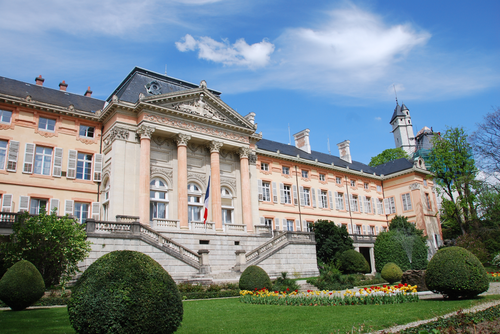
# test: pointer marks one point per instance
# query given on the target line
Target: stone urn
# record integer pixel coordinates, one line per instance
(415, 277)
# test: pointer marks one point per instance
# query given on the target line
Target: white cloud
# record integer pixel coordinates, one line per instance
(378, 118)
(239, 53)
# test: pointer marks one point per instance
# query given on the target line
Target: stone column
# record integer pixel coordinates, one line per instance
(182, 191)
(372, 260)
(215, 184)
(144, 172)
(245, 188)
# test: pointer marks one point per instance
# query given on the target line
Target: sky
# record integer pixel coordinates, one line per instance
(334, 67)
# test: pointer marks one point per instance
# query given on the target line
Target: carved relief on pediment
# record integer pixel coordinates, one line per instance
(201, 108)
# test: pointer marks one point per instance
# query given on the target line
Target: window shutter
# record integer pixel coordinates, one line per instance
(98, 167)
(277, 224)
(297, 225)
(392, 204)
(284, 227)
(275, 193)
(320, 200)
(58, 158)
(71, 173)
(96, 208)
(305, 228)
(7, 203)
(295, 197)
(313, 192)
(302, 200)
(68, 207)
(374, 204)
(262, 221)
(261, 194)
(350, 228)
(360, 200)
(351, 199)
(13, 153)
(29, 155)
(376, 230)
(386, 206)
(24, 203)
(54, 204)
(367, 205)
(365, 229)
(282, 193)
(331, 199)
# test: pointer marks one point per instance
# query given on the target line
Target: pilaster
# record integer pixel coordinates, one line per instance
(215, 184)
(245, 188)
(145, 133)
(182, 201)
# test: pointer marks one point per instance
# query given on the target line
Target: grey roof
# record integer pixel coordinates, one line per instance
(392, 167)
(404, 107)
(397, 112)
(136, 81)
(48, 95)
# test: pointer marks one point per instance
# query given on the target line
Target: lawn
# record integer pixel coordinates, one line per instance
(231, 316)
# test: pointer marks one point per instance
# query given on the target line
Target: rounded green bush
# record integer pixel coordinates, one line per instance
(352, 262)
(456, 272)
(254, 277)
(391, 273)
(125, 292)
(388, 249)
(21, 285)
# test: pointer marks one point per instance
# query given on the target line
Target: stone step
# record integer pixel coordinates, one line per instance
(304, 286)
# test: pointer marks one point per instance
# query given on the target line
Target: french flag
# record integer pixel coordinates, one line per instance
(205, 204)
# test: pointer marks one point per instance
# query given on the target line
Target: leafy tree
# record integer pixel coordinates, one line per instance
(330, 240)
(54, 245)
(486, 143)
(388, 155)
(453, 166)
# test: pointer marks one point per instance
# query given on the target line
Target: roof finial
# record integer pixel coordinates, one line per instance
(393, 86)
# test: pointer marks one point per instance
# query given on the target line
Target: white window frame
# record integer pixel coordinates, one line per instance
(264, 166)
(43, 156)
(289, 225)
(354, 203)
(366, 185)
(338, 180)
(380, 206)
(227, 210)
(3, 116)
(4, 156)
(368, 204)
(389, 205)
(79, 217)
(156, 187)
(287, 193)
(305, 174)
(47, 122)
(322, 177)
(266, 191)
(324, 198)
(379, 189)
(285, 170)
(353, 183)
(84, 131)
(339, 201)
(406, 199)
(86, 165)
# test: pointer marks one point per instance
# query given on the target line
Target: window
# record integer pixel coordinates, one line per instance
(307, 196)
(268, 222)
(5, 116)
(46, 124)
(43, 160)
(390, 206)
(372, 230)
(428, 201)
(287, 194)
(105, 200)
(339, 201)
(227, 206)
(368, 204)
(264, 166)
(38, 205)
(380, 206)
(194, 203)
(357, 229)
(322, 177)
(266, 191)
(406, 202)
(324, 199)
(82, 211)
(289, 225)
(83, 166)
(379, 189)
(158, 199)
(354, 203)
(353, 183)
(3, 153)
(425, 183)
(338, 180)
(365, 185)
(305, 174)
(87, 131)
(286, 170)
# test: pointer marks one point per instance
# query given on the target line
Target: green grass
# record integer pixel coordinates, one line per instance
(231, 316)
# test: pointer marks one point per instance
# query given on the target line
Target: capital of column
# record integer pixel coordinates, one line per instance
(245, 152)
(215, 146)
(182, 139)
(145, 131)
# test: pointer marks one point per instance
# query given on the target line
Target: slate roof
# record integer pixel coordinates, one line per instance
(392, 167)
(397, 112)
(48, 95)
(135, 83)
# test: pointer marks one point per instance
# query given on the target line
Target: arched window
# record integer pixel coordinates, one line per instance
(227, 206)
(105, 200)
(195, 204)
(158, 203)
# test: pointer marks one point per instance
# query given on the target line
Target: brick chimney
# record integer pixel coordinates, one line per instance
(88, 93)
(63, 85)
(39, 80)
(344, 150)
(302, 140)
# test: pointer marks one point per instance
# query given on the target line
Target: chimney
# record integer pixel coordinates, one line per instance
(39, 80)
(345, 152)
(88, 93)
(302, 140)
(63, 85)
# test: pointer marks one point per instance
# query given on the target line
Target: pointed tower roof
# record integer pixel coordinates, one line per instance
(404, 107)
(397, 112)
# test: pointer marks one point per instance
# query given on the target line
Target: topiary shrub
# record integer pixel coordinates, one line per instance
(21, 285)
(456, 272)
(388, 248)
(352, 262)
(125, 292)
(254, 277)
(391, 273)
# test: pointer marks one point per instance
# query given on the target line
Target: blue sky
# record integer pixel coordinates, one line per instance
(329, 66)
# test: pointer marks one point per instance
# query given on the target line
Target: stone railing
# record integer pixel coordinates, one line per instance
(8, 218)
(127, 219)
(241, 228)
(200, 226)
(171, 224)
(135, 230)
(363, 238)
(262, 229)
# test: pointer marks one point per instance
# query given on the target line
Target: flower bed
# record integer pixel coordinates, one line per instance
(494, 277)
(374, 295)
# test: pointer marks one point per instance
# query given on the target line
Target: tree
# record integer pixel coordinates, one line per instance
(330, 240)
(53, 244)
(388, 155)
(453, 166)
(486, 143)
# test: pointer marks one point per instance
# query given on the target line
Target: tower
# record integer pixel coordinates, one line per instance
(402, 129)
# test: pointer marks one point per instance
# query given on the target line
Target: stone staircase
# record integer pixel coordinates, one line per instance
(304, 286)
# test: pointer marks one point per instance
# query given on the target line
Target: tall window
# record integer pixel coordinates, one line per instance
(339, 201)
(83, 166)
(82, 211)
(357, 229)
(195, 204)
(307, 197)
(227, 206)
(105, 200)
(43, 160)
(289, 225)
(324, 199)
(286, 170)
(305, 174)
(46, 124)
(266, 191)
(390, 205)
(380, 206)
(37, 205)
(368, 205)
(5, 116)
(268, 222)
(3, 153)
(354, 203)
(406, 202)
(158, 199)
(87, 131)
(428, 201)
(287, 193)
